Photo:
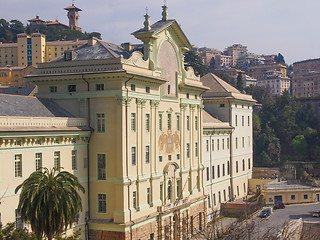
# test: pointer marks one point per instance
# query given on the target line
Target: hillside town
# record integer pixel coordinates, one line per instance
(158, 139)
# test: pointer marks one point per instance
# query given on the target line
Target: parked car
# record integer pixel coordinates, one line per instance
(279, 206)
(265, 213)
(316, 214)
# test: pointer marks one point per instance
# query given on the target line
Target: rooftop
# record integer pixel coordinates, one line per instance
(24, 106)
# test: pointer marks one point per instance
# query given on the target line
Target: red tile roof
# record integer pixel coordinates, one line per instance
(37, 19)
(73, 7)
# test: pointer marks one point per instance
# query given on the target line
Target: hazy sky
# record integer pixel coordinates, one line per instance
(290, 27)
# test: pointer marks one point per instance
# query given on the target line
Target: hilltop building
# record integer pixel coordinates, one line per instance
(129, 122)
(236, 52)
(73, 16)
(306, 78)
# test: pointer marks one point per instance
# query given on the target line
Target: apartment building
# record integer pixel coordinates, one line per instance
(306, 78)
(236, 52)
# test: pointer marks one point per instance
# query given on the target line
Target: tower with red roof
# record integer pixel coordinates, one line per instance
(73, 15)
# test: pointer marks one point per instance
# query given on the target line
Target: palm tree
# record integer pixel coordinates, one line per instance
(50, 202)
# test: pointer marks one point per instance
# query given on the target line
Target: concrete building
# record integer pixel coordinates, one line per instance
(236, 52)
(130, 124)
(306, 78)
(227, 141)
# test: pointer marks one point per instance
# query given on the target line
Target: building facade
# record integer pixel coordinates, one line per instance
(228, 149)
(136, 121)
(306, 78)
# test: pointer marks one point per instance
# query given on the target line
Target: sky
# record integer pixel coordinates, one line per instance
(289, 27)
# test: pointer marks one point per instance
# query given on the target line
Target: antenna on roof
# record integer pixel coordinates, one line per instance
(147, 9)
(165, 2)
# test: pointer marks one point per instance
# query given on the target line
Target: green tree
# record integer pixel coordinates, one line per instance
(50, 201)
(192, 59)
(300, 145)
(239, 82)
(280, 59)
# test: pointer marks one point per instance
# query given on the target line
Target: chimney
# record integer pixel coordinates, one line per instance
(92, 41)
(127, 46)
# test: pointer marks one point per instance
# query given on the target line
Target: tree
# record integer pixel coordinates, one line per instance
(50, 202)
(212, 65)
(280, 59)
(195, 61)
(239, 82)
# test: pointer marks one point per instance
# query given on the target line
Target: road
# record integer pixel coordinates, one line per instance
(280, 217)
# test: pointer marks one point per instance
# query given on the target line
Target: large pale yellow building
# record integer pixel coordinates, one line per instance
(129, 122)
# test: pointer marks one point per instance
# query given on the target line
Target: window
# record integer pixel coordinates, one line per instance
(242, 120)
(243, 142)
(169, 121)
(249, 163)
(237, 167)
(236, 120)
(147, 89)
(99, 87)
(72, 88)
(134, 199)
(101, 166)
(293, 197)
(243, 166)
(218, 171)
(223, 144)
(102, 203)
(236, 143)
(188, 150)
(224, 195)
(196, 149)
(133, 155)
(147, 154)
(187, 95)
(56, 160)
(178, 122)
(188, 123)
(161, 191)
(18, 165)
(179, 188)
(219, 194)
(212, 172)
(169, 157)
(38, 161)
(248, 120)
(169, 191)
(101, 122)
(222, 105)
(133, 87)
(228, 167)
(133, 122)
(207, 145)
(148, 196)
(214, 199)
(74, 160)
(148, 122)
(244, 188)
(208, 174)
(305, 196)
(160, 121)
(218, 144)
(212, 145)
(238, 192)
(196, 122)
(223, 170)
(160, 158)
(53, 89)
(19, 222)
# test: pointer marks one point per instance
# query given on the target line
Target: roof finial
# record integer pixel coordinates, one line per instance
(146, 23)
(72, 2)
(164, 11)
